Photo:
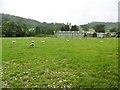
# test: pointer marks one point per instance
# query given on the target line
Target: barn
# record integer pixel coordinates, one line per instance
(79, 34)
(69, 34)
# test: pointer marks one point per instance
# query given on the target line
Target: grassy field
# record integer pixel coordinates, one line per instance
(57, 63)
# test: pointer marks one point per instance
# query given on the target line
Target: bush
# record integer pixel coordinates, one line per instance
(44, 35)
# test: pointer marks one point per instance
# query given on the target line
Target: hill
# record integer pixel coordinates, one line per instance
(30, 22)
(108, 25)
(33, 23)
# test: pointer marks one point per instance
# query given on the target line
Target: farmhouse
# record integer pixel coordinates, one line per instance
(88, 34)
(113, 34)
(107, 34)
(101, 35)
(69, 34)
(79, 34)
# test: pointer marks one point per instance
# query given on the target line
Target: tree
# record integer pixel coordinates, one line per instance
(74, 28)
(94, 34)
(100, 28)
(20, 32)
(85, 27)
(37, 30)
(24, 27)
(67, 28)
(113, 30)
(9, 28)
(62, 29)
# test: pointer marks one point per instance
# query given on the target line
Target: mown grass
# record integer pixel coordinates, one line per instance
(86, 62)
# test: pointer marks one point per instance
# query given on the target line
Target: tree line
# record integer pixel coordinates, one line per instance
(14, 26)
(19, 26)
(10, 29)
(13, 29)
(68, 28)
(98, 28)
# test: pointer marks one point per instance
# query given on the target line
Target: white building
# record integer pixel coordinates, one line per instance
(79, 34)
(69, 34)
(101, 35)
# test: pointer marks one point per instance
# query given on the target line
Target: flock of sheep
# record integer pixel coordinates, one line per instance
(32, 44)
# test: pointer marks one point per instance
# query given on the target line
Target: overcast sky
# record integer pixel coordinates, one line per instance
(63, 11)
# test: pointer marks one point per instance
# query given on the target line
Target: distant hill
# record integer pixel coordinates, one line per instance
(26, 27)
(30, 22)
(108, 25)
(33, 23)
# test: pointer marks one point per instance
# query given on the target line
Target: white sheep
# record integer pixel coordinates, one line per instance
(13, 41)
(101, 40)
(32, 45)
(67, 40)
(43, 41)
(32, 41)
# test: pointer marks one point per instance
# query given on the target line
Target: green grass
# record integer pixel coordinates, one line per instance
(85, 62)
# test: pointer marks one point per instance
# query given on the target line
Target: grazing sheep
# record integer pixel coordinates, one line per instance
(67, 40)
(32, 45)
(13, 41)
(43, 41)
(101, 40)
(32, 41)
(109, 53)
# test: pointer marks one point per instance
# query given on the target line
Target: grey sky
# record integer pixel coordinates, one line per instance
(62, 11)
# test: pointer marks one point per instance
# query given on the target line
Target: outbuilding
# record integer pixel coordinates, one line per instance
(69, 34)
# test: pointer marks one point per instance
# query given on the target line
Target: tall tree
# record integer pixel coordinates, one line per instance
(24, 27)
(74, 28)
(62, 29)
(20, 32)
(100, 28)
(113, 30)
(85, 27)
(37, 30)
(67, 28)
(9, 28)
